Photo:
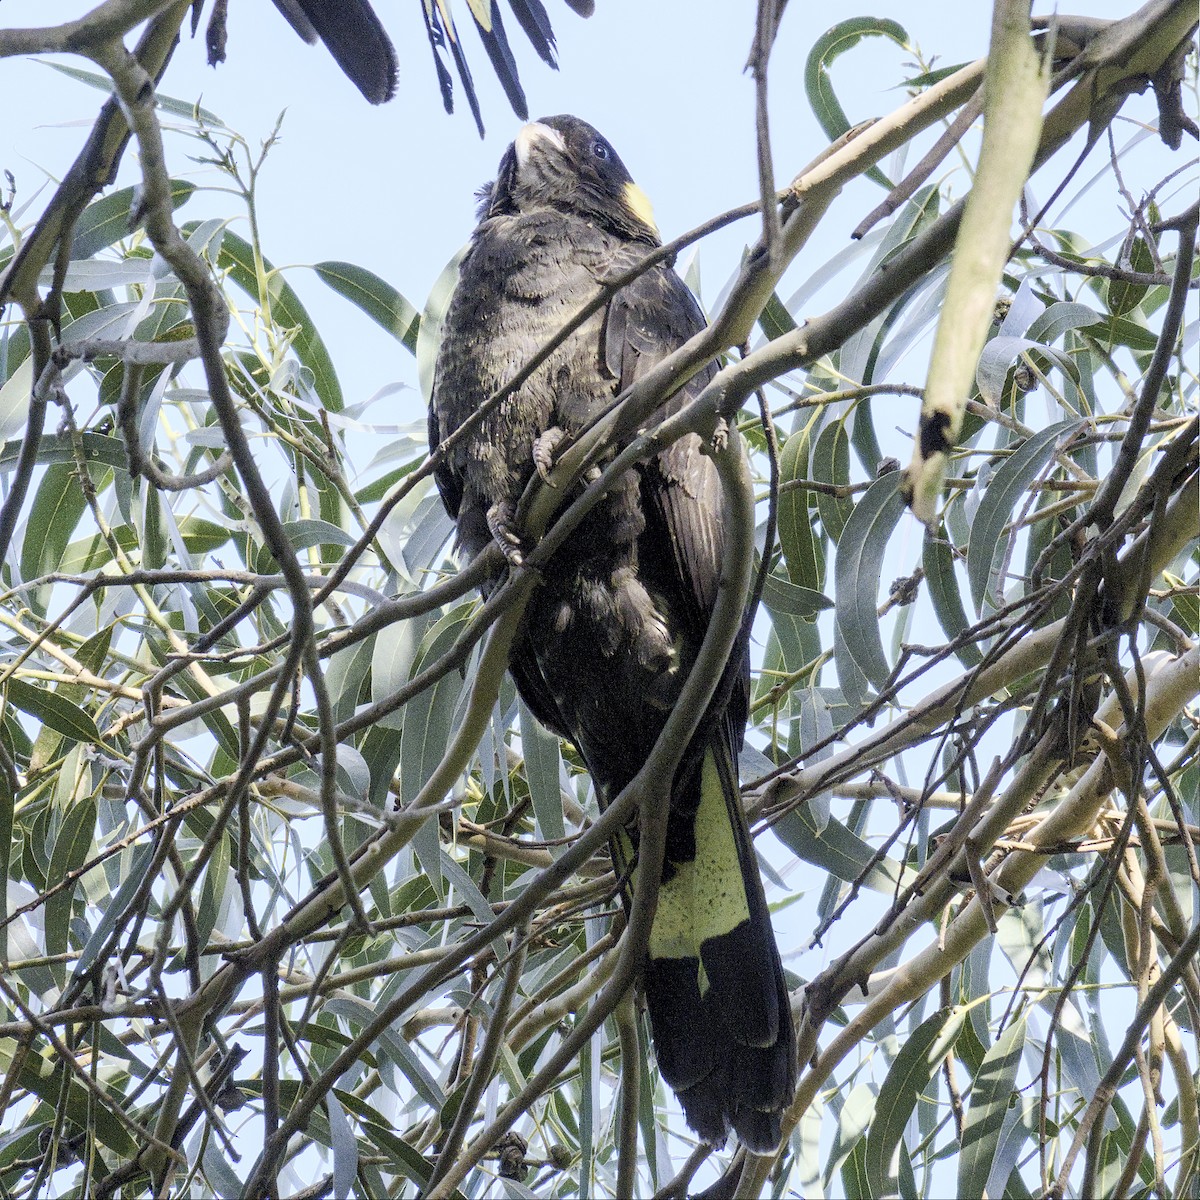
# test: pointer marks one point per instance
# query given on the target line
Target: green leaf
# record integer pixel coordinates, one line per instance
(857, 569)
(946, 594)
(429, 335)
(1185, 605)
(830, 45)
(107, 220)
(831, 464)
(15, 393)
(991, 1094)
(313, 532)
(86, 554)
(8, 800)
(98, 450)
(801, 553)
(405, 1158)
(855, 1179)
(180, 108)
(781, 596)
(1051, 324)
(429, 716)
(71, 849)
(542, 759)
(835, 848)
(389, 1044)
(217, 877)
(380, 487)
(392, 657)
(996, 508)
(929, 78)
(376, 297)
(343, 1144)
(998, 355)
(910, 1072)
(53, 710)
(135, 860)
(775, 320)
(1121, 331)
(1124, 296)
(47, 1077)
(56, 510)
(237, 257)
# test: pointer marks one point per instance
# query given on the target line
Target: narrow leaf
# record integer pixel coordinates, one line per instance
(106, 220)
(992, 1093)
(53, 710)
(71, 849)
(999, 502)
(781, 596)
(344, 1146)
(831, 464)
(801, 553)
(137, 860)
(376, 297)
(911, 1071)
(946, 594)
(830, 45)
(542, 759)
(237, 257)
(857, 569)
(833, 847)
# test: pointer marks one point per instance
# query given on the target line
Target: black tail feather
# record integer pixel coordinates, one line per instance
(721, 1019)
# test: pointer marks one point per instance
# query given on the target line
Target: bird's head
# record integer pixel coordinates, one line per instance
(563, 163)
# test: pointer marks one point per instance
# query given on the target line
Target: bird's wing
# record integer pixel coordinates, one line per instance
(449, 485)
(681, 491)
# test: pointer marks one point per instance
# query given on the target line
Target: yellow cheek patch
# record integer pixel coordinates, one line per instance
(639, 204)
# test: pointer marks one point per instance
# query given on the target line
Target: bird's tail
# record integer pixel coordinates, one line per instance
(718, 1003)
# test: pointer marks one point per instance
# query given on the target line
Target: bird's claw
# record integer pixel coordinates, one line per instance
(500, 518)
(544, 447)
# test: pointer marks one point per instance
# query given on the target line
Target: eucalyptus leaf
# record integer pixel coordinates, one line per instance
(857, 570)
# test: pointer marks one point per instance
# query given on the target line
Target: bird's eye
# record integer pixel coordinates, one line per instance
(600, 149)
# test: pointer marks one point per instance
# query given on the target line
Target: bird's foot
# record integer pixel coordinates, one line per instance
(544, 447)
(501, 518)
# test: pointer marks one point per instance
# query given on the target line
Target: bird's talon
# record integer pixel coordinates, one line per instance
(500, 518)
(544, 447)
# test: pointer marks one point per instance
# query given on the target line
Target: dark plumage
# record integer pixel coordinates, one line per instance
(354, 36)
(611, 633)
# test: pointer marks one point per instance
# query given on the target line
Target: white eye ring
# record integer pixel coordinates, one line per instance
(600, 149)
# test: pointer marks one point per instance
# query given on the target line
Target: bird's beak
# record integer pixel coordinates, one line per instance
(533, 134)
